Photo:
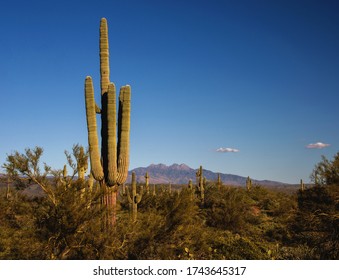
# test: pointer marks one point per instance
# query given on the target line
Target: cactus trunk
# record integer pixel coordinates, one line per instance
(109, 199)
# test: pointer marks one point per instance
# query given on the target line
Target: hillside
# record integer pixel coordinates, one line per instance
(181, 174)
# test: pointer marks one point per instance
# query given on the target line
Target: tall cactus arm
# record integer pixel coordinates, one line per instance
(92, 131)
(104, 56)
(190, 185)
(111, 137)
(123, 133)
(137, 198)
(129, 196)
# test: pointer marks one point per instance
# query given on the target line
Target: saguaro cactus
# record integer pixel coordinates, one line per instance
(82, 162)
(248, 183)
(219, 183)
(302, 186)
(134, 199)
(200, 184)
(147, 182)
(154, 190)
(111, 167)
(9, 181)
(191, 189)
(170, 188)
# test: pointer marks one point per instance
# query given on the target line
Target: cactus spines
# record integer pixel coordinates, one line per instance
(134, 198)
(248, 183)
(200, 184)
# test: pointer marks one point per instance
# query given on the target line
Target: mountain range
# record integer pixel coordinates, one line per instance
(181, 174)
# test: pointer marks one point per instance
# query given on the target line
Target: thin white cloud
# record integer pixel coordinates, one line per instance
(317, 145)
(227, 150)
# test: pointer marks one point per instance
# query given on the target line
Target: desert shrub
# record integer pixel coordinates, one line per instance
(17, 236)
(297, 252)
(316, 222)
(66, 227)
(326, 172)
(229, 209)
(163, 230)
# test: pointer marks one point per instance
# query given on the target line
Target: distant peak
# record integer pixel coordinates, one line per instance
(175, 166)
(181, 166)
(159, 165)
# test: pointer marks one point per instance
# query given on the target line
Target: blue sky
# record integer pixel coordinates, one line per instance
(260, 78)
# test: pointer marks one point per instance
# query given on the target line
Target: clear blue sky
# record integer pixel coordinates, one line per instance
(258, 77)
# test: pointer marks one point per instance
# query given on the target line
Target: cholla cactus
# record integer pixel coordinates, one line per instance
(133, 199)
(110, 167)
(248, 183)
(200, 184)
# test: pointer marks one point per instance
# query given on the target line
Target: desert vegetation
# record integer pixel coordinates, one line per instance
(48, 213)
